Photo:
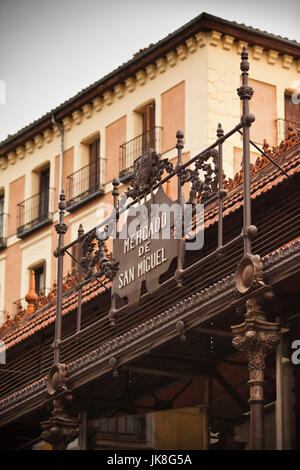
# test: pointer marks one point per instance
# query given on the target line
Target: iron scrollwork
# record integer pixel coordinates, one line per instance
(95, 258)
(148, 170)
(203, 178)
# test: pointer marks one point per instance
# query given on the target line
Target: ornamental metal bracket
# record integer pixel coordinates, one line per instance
(60, 429)
(94, 258)
(148, 170)
(249, 274)
(203, 178)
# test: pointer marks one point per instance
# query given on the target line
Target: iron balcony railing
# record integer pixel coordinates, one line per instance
(35, 212)
(84, 185)
(134, 148)
(282, 127)
(3, 228)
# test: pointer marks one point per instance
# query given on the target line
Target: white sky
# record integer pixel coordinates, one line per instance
(50, 50)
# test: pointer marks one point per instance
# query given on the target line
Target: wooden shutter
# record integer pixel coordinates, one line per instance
(94, 154)
(292, 110)
(44, 193)
(149, 127)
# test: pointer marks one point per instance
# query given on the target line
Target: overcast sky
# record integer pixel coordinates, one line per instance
(50, 50)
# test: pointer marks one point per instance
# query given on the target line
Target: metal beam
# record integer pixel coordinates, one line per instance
(232, 392)
(215, 332)
(168, 373)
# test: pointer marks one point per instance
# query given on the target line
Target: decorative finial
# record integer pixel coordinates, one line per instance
(220, 132)
(179, 137)
(80, 231)
(62, 199)
(31, 297)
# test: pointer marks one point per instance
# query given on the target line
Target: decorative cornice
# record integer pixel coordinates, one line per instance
(26, 392)
(141, 77)
(272, 56)
(191, 45)
(56, 131)
(67, 123)
(130, 84)
(278, 256)
(227, 42)
(161, 65)
(119, 90)
(108, 97)
(3, 163)
(172, 58)
(48, 135)
(29, 145)
(201, 39)
(20, 151)
(214, 38)
(98, 103)
(77, 117)
(240, 46)
(182, 51)
(287, 61)
(39, 141)
(257, 52)
(11, 157)
(87, 110)
(151, 71)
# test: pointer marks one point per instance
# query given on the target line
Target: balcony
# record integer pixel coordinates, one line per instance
(35, 213)
(84, 185)
(134, 148)
(3, 226)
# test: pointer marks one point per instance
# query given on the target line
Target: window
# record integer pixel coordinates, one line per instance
(36, 211)
(86, 183)
(94, 156)
(39, 272)
(44, 193)
(148, 119)
(292, 111)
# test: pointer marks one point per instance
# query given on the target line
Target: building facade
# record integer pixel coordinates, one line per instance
(187, 81)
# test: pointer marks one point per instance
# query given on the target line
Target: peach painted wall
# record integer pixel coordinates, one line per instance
(16, 195)
(115, 135)
(263, 106)
(172, 115)
(68, 161)
(13, 271)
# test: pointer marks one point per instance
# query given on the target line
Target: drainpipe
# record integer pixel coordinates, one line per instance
(55, 123)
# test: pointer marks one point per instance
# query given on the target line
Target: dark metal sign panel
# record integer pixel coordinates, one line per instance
(146, 246)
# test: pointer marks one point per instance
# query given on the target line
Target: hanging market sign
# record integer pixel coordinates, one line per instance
(146, 246)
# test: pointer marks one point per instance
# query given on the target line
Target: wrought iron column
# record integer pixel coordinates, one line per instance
(80, 237)
(178, 169)
(221, 191)
(61, 228)
(245, 93)
(256, 337)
